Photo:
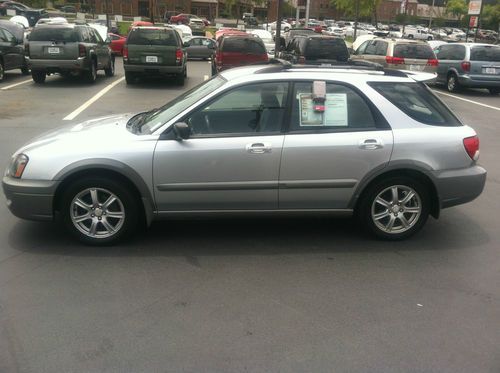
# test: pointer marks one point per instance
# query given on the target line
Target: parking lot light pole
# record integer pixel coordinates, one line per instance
(277, 38)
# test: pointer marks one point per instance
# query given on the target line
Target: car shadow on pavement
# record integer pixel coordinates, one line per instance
(255, 236)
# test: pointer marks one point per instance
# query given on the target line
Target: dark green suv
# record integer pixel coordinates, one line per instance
(68, 49)
(154, 51)
(11, 48)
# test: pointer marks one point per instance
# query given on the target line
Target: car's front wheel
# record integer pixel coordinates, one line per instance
(110, 70)
(494, 91)
(395, 209)
(91, 74)
(99, 211)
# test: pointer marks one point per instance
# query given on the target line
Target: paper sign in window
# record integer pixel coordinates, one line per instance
(335, 113)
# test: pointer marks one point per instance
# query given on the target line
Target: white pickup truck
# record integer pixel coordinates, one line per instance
(414, 33)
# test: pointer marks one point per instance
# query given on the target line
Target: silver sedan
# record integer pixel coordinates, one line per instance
(274, 139)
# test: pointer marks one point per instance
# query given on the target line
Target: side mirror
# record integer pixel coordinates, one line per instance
(182, 131)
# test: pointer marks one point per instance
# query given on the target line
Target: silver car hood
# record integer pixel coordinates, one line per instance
(108, 129)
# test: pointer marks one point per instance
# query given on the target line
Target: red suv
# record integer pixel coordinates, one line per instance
(238, 50)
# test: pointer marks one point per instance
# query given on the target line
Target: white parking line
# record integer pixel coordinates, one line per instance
(15, 85)
(101, 93)
(466, 100)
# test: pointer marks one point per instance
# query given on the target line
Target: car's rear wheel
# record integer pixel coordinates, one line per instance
(99, 211)
(91, 74)
(25, 70)
(2, 71)
(180, 78)
(395, 208)
(129, 77)
(452, 83)
(110, 70)
(38, 76)
(494, 91)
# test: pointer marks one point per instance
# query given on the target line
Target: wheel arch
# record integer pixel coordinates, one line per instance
(413, 171)
(109, 169)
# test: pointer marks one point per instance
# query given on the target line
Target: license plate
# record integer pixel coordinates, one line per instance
(490, 70)
(53, 50)
(152, 59)
(416, 67)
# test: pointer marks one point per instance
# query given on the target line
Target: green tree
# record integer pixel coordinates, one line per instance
(458, 8)
(491, 17)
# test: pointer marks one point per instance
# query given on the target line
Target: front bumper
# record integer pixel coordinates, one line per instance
(30, 199)
(58, 65)
(455, 187)
(158, 69)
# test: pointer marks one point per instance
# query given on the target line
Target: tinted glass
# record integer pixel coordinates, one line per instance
(54, 34)
(243, 110)
(418, 102)
(243, 45)
(152, 37)
(326, 48)
(345, 109)
(418, 51)
(485, 53)
(456, 52)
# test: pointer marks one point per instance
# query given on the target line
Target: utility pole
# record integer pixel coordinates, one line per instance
(430, 14)
(356, 16)
(308, 4)
(277, 39)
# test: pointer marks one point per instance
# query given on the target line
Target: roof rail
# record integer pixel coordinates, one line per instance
(279, 65)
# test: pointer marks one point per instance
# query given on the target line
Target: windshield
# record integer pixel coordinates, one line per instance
(179, 104)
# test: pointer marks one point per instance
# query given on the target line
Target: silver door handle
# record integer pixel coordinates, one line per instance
(371, 144)
(259, 148)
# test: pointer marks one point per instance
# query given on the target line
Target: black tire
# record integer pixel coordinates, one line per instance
(368, 208)
(110, 70)
(180, 78)
(2, 71)
(25, 70)
(214, 69)
(494, 91)
(38, 76)
(91, 74)
(129, 77)
(126, 203)
(452, 84)
(410, 36)
(185, 72)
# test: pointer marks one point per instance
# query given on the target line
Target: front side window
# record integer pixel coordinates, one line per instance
(253, 108)
(344, 110)
(418, 102)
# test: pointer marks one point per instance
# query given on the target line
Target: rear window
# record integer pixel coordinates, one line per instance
(323, 48)
(418, 102)
(54, 34)
(485, 53)
(417, 51)
(243, 45)
(152, 37)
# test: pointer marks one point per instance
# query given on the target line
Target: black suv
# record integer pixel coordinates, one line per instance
(315, 50)
(11, 48)
(68, 49)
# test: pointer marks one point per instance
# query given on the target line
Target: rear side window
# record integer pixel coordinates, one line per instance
(419, 51)
(152, 37)
(68, 35)
(326, 48)
(242, 45)
(418, 102)
(485, 53)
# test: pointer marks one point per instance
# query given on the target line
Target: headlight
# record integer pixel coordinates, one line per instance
(18, 165)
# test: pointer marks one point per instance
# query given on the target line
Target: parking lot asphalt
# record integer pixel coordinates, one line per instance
(244, 295)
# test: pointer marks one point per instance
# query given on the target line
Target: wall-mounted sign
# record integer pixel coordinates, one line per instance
(475, 7)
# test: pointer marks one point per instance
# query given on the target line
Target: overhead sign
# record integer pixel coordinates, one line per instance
(475, 7)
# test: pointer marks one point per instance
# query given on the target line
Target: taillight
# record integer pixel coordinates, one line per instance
(465, 66)
(125, 52)
(432, 62)
(82, 51)
(178, 56)
(471, 145)
(302, 60)
(394, 60)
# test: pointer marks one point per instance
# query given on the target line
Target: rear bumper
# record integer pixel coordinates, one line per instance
(455, 187)
(58, 65)
(30, 199)
(158, 69)
(474, 82)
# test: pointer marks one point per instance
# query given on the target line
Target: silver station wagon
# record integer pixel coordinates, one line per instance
(269, 139)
